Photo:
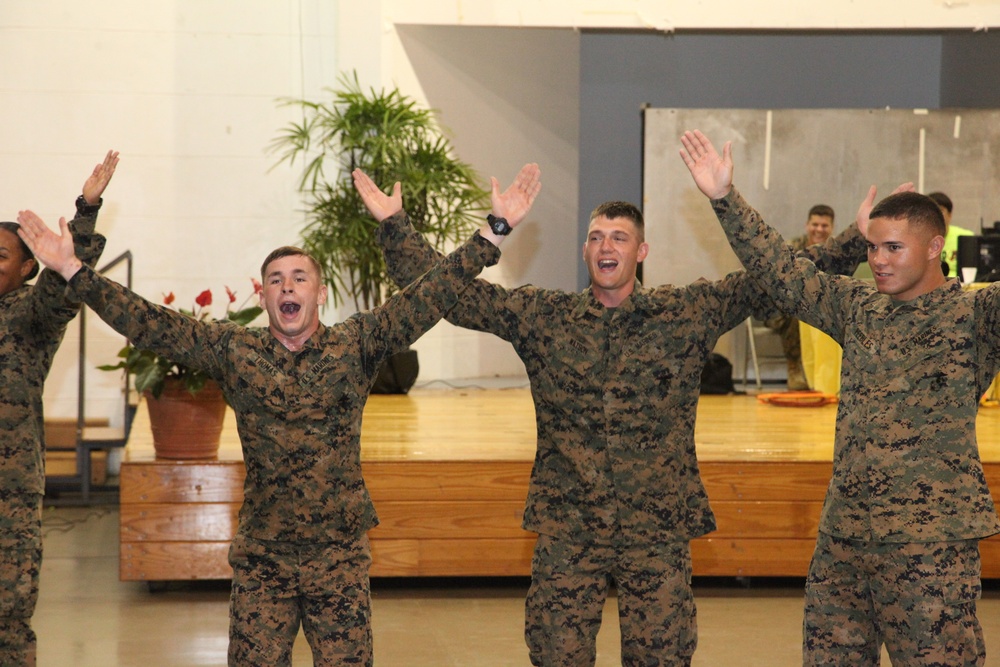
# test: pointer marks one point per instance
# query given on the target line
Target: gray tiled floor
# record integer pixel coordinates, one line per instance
(87, 618)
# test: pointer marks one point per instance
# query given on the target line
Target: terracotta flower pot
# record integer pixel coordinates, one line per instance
(186, 426)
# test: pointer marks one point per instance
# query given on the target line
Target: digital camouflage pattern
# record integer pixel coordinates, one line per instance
(299, 420)
(615, 394)
(19, 569)
(33, 319)
(854, 602)
(906, 464)
(615, 390)
(298, 413)
(656, 604)
(278, 586)
(908, 499)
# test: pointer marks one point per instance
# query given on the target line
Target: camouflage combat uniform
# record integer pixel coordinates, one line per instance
(897, 559)
(33, 320)
(301, 552)
(615, 491)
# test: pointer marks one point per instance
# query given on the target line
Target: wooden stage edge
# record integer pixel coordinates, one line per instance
(448, 471)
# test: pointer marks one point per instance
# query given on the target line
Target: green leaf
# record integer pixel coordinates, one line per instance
(391, 138)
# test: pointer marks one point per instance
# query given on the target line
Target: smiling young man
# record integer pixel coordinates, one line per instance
(298, 388)
(615, 494)
(897, 556)
(614, 248)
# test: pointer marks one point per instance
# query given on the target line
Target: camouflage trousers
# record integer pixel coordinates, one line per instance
(277, 586)
(919, 599)
(20, 562)
(569, 586)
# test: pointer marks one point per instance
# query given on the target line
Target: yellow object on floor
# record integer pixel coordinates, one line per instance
(821, 357)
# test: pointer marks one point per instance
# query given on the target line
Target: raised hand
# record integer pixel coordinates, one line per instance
(98, 180)
(53, 250)
(515, 202)
(378, 203)
(712, 173)
(868, 203)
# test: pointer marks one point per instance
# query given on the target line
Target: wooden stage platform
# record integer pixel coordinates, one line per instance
(448, 472)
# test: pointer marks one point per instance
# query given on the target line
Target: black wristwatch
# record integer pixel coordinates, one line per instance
(500, 226)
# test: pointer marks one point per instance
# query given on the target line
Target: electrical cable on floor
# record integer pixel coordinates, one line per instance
(458, 385)
(60, 524)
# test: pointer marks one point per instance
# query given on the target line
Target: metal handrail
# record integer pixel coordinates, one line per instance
(82, 362)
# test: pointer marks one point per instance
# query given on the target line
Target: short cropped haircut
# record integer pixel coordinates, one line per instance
(918, 209)
(823, 210)
(942, 200)
(621, 209)
(26, 253)
(290, 251)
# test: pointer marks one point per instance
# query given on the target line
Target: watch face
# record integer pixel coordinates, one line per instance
(500, 226)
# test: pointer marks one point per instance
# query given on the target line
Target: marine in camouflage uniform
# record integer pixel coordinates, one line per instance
(33, 319)
(615, 492)
(897, 558)
(301, 553)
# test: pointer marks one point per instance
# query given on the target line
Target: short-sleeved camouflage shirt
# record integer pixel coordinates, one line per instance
(906, 465)
(33, 320)
(298, 413)
(615, 391)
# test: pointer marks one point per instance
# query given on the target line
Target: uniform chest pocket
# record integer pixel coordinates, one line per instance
(574, 355)
(921, 363)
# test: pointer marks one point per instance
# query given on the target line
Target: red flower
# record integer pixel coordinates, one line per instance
(257, 287)
(168, 298)
(204, 299)
(231, 294)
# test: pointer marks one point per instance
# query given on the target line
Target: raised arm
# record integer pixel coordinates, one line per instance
(797, 286)
(55, 251)
(712, 173)
(97, 182)
(513, 204)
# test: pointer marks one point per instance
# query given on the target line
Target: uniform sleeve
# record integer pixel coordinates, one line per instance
(840, 254)
(988, 324)
(149, 326)
(482, 305)
(795, 284)
(50, 308)
(409, 313)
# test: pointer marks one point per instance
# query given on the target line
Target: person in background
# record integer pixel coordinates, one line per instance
(949, 256)
(897, 555)
(33, 320)
(819, 227)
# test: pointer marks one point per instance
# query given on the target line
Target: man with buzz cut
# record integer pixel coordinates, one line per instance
(615, 493)
(897, 556)
(301, 554)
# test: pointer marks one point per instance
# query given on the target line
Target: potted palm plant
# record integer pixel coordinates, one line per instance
(387, 135)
